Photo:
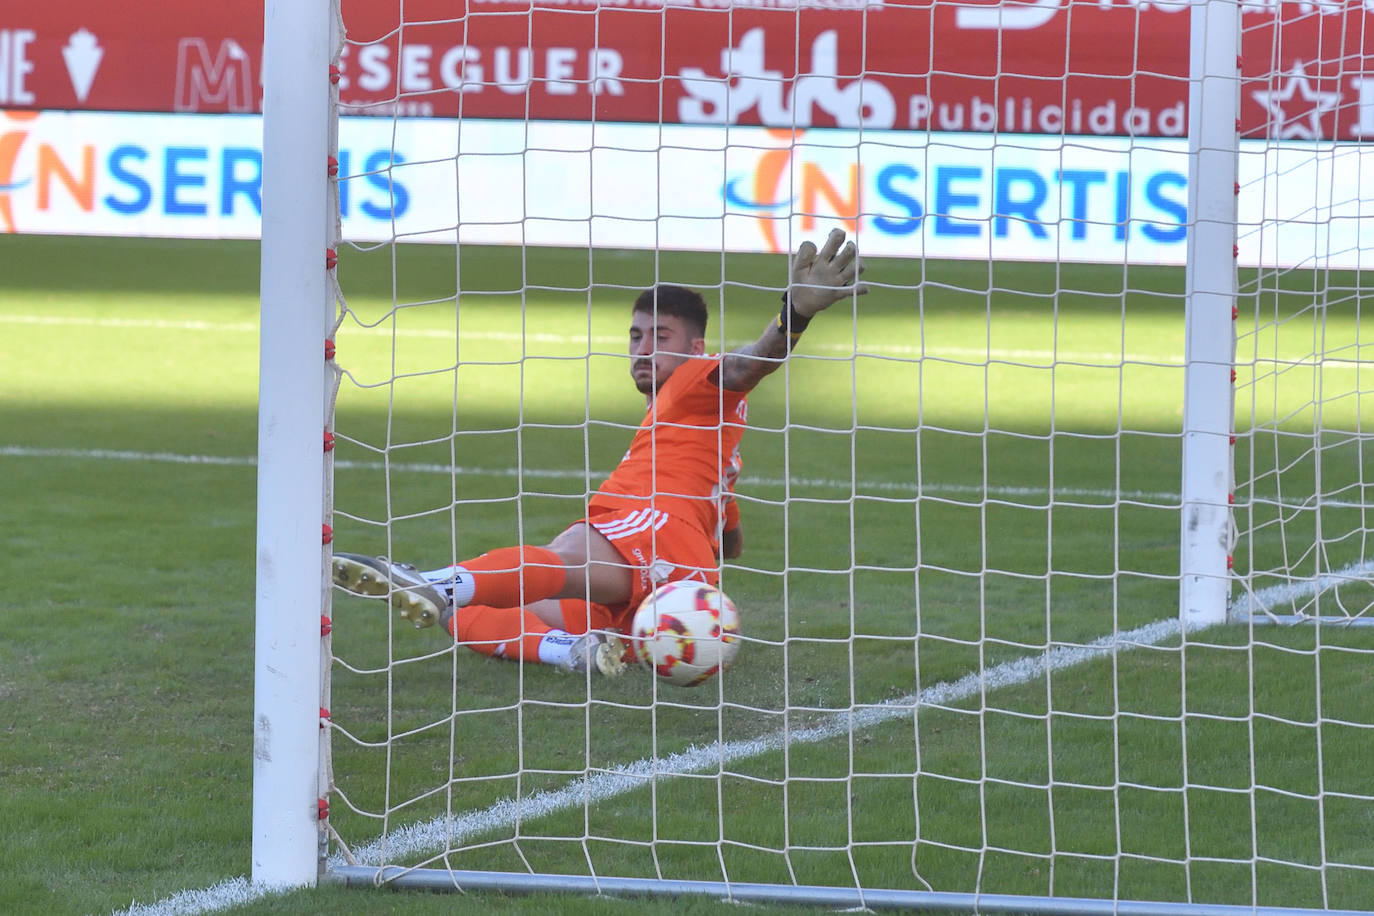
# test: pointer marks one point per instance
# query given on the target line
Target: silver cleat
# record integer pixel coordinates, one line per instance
(410, 594)
(603, 653)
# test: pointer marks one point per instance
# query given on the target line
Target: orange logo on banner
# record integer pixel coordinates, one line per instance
(819, 197)
(10, 143)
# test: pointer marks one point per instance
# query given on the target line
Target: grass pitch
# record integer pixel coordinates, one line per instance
(944, 481)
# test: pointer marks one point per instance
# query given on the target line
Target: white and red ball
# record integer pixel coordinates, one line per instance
(685, 632)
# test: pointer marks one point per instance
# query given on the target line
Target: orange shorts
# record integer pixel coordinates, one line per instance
(659, 548)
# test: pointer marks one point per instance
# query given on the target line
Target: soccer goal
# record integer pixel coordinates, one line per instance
(1055, 592)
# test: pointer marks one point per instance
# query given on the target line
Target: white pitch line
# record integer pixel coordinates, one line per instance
(1099, 496)
(1020, 356)
(155, 324)
(1289, 593)
(441, 833)
(225, 895)
(857, 486)
(603, 785)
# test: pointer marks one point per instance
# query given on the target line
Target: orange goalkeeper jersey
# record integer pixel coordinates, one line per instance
(684, 459)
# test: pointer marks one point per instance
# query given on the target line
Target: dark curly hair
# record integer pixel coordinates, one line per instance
(679, 301)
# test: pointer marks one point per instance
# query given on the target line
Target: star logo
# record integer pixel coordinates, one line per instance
(1308, 127)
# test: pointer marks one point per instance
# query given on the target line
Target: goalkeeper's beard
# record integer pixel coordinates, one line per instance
(646, 383)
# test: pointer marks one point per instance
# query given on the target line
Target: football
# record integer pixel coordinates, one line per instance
(685, 632)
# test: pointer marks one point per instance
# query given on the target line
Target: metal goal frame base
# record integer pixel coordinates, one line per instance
(437, 879)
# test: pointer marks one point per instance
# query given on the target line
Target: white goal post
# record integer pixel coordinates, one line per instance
(1210, 309)
(1014, 518)
(299, 225)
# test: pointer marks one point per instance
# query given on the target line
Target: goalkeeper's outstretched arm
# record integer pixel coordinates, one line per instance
(817, 280)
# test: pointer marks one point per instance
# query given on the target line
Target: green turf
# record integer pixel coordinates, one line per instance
(126, 662)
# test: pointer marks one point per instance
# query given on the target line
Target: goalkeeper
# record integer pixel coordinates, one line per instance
(667, 512)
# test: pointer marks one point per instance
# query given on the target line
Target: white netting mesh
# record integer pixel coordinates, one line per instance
(1304, 384)
(963, 669)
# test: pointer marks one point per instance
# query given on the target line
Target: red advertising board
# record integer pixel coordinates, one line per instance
(1039, 66)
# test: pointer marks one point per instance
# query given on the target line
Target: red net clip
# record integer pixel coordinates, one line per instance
(1237, 125)
(1235, 251)
(324, 809)
(1230, 562)
(326, 534)
(332, 167)
(1233, 440)
(328, 441)
(1237, 189)
(1235, 312)
(331, 259)
(334, 74)
(326, 625)
(324, 717)
(328, 348)
(1233, 376)
(1230, 499)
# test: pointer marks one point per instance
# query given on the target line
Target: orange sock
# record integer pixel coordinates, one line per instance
(515, 633)
(501, 632)
(499, 574)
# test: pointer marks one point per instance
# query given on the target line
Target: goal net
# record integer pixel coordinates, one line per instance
(1115, 341)
(1302, 353)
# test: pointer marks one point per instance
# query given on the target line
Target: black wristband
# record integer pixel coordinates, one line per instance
(790, 322)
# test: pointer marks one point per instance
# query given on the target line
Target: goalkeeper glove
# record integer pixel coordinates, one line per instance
(819, 279)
